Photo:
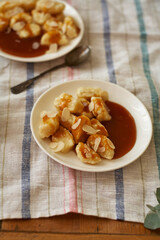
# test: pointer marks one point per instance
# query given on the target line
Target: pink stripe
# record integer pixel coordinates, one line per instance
(81, 178)
(64, 184)
(70, 74)
(72, 191)
(72, 186)
(64, 189)
(69, 2)
(81, 192)
(72, 173)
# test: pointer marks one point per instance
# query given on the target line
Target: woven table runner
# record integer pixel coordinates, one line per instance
(125, 40)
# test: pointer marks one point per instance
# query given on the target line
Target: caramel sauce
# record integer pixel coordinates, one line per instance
(28, 29)
(49, 121)
(54, 36)
(12, 44)
(65, 100)
(60, 133)
(45, 118)
(78, 133)
(82, 150)
(98, 104)
(121, 129)
(86, 109)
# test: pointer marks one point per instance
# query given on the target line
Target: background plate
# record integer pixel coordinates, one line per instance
(68, 11)
(116, 94)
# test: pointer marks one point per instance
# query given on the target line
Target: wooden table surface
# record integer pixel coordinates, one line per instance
(76, 227)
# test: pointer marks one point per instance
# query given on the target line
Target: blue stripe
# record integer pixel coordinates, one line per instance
(154, 94)
(26, 148)
(118, 173)
(119, 194)
(107, 42)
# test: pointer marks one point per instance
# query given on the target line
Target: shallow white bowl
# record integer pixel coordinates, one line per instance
(117, 94)
(68, 11)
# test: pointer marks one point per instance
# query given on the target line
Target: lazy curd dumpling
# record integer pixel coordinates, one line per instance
(4, 23)
(99, 109)
(86, 154)
(102, 145)
(80, 126)
(50, 6)
(34, 18)
(49, 124)
(99, 127)
(86, 111)
(54, 36)
(40, 17)
(62, 140)
(28, 4)
(70, 28)
(87, 92)
(67, 119)
(66, 100)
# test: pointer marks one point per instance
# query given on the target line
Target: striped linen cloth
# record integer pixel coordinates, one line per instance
(125, 40)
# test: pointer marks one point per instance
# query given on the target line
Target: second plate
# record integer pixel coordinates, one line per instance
(68, 11)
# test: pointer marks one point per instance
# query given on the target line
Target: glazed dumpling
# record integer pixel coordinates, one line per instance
(50, 6)
(54, 36)
(66, 100)
(59, 17)
(12, 12)
(86, 154)
(67, 119)
(50, 24)
(40, 17)
(49, 124)
(82, 128)
(70, 28)
(86, 110)
(19, 21)
(62, 140)
(30, 30)
(77, 128)
(98, 126)
(28, 4)
(4, 22)
(8, 5)
(92, 92)
(99, 109)
(23, 25)
(102, 145)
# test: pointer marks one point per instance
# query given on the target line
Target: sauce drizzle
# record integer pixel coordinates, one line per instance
(121, 129)
(12, 44)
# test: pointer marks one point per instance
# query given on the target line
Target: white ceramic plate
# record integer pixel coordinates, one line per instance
(117, 94)
(68, 11)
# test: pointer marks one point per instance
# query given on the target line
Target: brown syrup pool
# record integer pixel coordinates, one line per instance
(10, 43)
(121, 129)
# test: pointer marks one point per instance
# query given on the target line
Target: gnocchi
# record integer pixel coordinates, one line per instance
(74, 129)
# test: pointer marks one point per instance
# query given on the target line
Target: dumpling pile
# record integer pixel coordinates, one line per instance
(31, 18)
(77, 124)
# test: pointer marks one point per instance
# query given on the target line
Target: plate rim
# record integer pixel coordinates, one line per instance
(50, 57)
(96, 81)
